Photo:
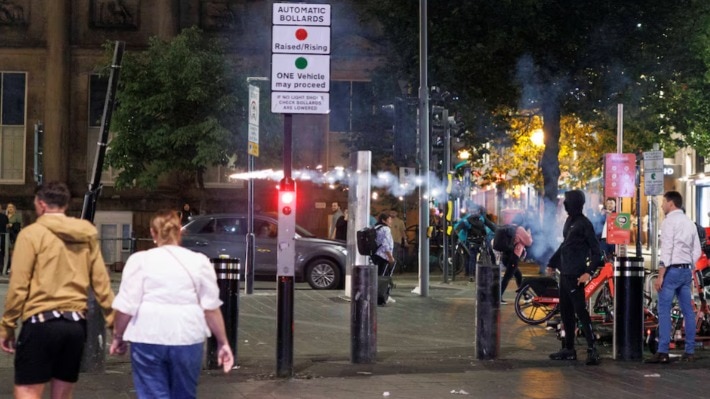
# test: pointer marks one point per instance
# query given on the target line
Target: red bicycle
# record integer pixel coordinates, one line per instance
(538, 299)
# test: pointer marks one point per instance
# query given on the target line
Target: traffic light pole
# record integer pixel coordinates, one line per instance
(286, 260)
(423, 153)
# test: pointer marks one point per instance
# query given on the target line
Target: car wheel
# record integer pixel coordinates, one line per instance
(323, 274)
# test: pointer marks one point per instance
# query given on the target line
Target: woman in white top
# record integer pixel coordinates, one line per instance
(166, 306)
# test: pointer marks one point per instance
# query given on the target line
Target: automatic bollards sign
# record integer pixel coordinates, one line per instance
(300, 58)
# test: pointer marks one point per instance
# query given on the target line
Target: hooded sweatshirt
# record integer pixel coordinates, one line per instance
(580, 244)
(55, 262)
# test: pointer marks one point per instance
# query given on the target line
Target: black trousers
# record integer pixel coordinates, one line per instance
(510, 261)
(381, 264)
(572, 302)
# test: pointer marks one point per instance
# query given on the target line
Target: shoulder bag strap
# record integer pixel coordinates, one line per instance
(194, 285)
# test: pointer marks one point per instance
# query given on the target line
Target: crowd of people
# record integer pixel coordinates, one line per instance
(168, 301)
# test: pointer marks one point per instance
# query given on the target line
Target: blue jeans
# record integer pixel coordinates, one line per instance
(166, 371)
(676, 282)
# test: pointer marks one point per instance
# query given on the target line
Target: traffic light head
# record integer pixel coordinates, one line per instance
(287, 196)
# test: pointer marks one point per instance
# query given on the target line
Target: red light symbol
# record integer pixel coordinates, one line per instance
(301, 34)
(287, 197)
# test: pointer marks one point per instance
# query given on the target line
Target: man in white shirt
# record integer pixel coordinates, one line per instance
(609, 207)
(680, 249)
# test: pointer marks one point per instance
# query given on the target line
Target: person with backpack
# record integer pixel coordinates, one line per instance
(510, 259)
(579, 246)
(476, 224)
(385, 244)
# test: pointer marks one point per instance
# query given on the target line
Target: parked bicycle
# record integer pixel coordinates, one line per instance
(538, 299)
(459, 257)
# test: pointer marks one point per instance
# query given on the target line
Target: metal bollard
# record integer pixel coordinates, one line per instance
(363, 314)
(487, 310)
(628, 308)
(227, 270)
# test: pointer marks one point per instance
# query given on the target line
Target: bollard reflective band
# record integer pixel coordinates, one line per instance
(222, 275)
(633, 271)
(226, 268)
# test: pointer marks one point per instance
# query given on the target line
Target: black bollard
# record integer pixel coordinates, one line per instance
(487, 310)
(363, 314)
(628, 308)
(227, 270)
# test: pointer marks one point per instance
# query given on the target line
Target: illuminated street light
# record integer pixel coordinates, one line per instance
(464, 154)
(538, 138)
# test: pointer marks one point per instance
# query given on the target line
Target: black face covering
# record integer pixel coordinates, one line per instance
(574, 202)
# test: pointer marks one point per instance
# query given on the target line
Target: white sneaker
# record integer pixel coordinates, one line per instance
(390, 300)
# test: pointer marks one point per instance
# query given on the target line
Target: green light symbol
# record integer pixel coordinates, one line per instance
(301, 63)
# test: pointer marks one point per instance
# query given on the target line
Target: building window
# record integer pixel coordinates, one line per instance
(351, 105)
(13, 88)
(126, 235)
(98, 87)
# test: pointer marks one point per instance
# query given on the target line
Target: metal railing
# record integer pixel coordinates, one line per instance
(133, 245)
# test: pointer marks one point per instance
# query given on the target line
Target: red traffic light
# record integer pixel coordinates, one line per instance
(287, 197)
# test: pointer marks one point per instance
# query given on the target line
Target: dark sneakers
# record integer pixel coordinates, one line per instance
(592, 357)
(658, 357)
(564, 354)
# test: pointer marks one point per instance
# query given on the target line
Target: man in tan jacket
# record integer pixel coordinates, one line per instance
(55, 262)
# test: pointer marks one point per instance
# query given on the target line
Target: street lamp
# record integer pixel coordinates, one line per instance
(538, 138)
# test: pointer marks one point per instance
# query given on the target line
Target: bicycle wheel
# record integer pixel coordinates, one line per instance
(458, 260)
(604, 303)
(652, 340)
(531, 311)
(649, 292)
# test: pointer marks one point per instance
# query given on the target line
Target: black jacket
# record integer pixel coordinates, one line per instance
(580, 244)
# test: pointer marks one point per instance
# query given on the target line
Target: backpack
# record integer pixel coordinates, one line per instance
(367, 240)
(504, 239)
(478, 228)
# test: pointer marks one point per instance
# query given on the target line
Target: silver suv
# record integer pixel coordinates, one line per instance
(319, 262)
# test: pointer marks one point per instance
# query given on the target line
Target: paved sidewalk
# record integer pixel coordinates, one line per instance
(425, 350)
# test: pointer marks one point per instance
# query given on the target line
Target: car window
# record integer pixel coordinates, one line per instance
(266, 229)
(230, 226)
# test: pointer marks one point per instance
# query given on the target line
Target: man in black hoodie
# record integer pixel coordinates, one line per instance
(580, 245)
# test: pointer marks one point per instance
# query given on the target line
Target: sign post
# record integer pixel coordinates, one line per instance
(653, 172)
(252, 151)
(300, 84)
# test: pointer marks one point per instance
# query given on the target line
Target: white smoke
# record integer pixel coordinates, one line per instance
(386, 181)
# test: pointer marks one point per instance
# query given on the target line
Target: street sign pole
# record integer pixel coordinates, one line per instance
(653, 186)
(300, 84)
(252, 151)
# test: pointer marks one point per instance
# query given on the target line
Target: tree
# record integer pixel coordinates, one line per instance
(557, 58)
(514, 160)
(181, 110)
